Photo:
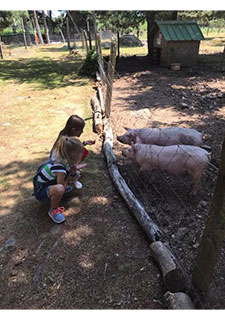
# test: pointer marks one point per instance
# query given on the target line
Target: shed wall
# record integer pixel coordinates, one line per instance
(184, 52)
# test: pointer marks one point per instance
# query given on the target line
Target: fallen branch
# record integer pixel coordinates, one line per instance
(149, 227)
(97, 115)
(173, 275)
(178, 300)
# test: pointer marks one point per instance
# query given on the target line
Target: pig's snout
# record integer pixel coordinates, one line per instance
(119, 138)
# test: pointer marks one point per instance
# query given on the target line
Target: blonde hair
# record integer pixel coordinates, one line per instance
(65, 149)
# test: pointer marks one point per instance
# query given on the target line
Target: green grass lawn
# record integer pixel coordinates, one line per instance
(40, 88)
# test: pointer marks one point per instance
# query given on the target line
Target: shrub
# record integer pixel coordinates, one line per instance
(90, 65)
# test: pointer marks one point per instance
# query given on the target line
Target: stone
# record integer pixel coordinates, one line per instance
(184, 105)
(130, 41)
(181, 232)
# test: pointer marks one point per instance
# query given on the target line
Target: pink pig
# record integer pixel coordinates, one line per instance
(162, 136)
(175, 159)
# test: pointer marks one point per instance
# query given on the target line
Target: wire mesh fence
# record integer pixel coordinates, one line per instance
(166, 194)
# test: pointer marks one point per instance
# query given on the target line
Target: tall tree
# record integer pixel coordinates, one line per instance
(214, 233)
(37, 27)
(45, 27)
(150, 18)
(6, 19)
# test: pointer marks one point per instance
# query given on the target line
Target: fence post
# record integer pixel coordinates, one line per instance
(89, 34)
(85, 41)
(24, 34)
(214, 233)
(1, 51)
(110, 76)
(100, 58)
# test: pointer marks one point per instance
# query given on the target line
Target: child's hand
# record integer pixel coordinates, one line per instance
(81, 166)
(88, 142)
(73, 168)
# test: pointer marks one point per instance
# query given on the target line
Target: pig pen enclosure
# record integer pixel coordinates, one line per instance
(146, 96)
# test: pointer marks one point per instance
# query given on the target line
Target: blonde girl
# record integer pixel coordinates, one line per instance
(52, 179)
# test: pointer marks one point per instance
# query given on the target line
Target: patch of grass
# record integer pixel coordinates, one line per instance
(43, 72)
(40, 88)
(4, 184)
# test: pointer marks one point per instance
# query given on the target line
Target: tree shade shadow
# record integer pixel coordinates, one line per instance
(46, 73)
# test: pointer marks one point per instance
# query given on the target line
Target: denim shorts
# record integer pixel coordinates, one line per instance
(41, 191)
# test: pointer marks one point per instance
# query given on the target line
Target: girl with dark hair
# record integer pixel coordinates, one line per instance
(74, 128)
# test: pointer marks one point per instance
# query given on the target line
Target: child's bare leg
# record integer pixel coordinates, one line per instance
(56, 193)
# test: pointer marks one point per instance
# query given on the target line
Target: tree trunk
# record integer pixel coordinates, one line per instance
(118, 44)
(38, 27)
(214, 233)
(68, 32)
(95, 29)
(150, 17)
(63, 38)
(50, 25)
(1, 51)
(27, 32)
(46, 27)
(24, 34)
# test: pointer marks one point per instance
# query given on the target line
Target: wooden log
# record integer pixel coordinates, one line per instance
(179, 301)
(149, 227)
(98, 86)
(97, 115)
(173, 275)
(100, 94)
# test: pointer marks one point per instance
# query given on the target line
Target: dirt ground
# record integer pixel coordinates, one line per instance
(159, 97)
(100, 257)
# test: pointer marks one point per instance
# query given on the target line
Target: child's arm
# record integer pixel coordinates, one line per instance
(81, 166)
(62, 178)
(88, 142)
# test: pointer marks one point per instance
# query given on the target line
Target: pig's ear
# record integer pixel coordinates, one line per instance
(126, 128)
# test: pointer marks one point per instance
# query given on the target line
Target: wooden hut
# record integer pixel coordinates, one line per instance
(176, 42)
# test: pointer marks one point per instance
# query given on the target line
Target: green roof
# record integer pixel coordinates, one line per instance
(180, 30)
